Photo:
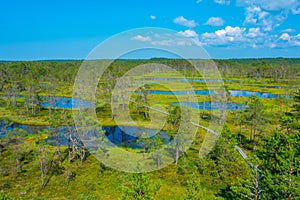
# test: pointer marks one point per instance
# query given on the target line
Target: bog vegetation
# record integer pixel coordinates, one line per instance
(256, 157)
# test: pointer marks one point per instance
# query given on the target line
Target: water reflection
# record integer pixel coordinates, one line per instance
(119, 135)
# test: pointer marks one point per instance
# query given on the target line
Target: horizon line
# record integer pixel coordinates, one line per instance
(77, 59)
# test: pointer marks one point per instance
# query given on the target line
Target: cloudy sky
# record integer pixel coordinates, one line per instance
(56, 29)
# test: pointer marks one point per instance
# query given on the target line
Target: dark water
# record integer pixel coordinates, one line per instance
(119, 135)
(233, 93)
(127, 136)
(212, 106)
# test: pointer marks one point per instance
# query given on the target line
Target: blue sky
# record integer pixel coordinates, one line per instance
(57, 29)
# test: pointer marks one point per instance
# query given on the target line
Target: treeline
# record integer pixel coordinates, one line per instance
(276, 70)
(34, 79)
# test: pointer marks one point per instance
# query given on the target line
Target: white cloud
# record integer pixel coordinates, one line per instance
(289, 30)
(152, 17)
(215, 21)
(191, 42)
(296, 43)
(197, 42)
(268, 14)
(254, 33)
(234, 31)
(181, 38)
(238, 37)
(177, 42)
(272, 45)
(198, 1)
(285, 36)
(156, 35)
(256, 16)
(276, 5)
(262, 15)
(224, 36)
(251, 15)
(163, 42)
(254, 37)
(296, 11)
(220, 32)
(287, 40)
(141, 38)
(188, 33)
(184, 22)
(222, 2)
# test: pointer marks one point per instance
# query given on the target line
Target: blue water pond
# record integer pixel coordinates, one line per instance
(233, 93)
(212, 106)
(64, 102)
(119, 135)
(197, 92)
(60, 102)
(243, 93)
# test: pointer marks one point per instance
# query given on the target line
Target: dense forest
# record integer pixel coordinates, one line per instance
(257, 155)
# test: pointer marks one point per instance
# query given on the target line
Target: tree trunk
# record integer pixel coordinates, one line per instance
(177, 152)
(254, 138)
(58, 148)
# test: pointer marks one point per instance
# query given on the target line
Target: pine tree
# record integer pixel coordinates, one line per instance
(5, 196)
(144, 141)
(255, 117)
(194, 189)
(290, 121)
(139, 188)
(179, 120)
(280, 161)
(157, 145)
